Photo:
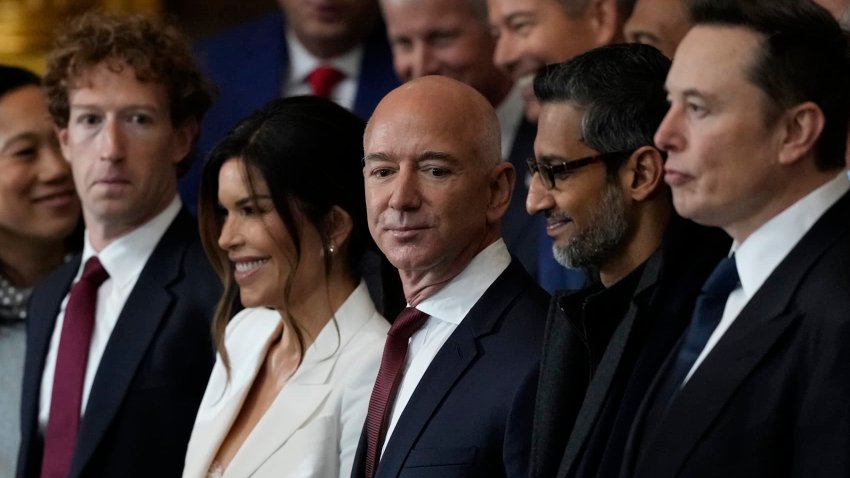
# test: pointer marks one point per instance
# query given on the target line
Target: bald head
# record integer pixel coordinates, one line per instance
(436, 188)
(445, 105)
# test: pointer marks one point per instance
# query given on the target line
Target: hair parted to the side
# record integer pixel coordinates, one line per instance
(309, 151)
(620, 91)
(155, 50)
(803, 57)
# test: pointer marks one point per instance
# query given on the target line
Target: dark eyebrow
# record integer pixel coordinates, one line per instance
(252, 199)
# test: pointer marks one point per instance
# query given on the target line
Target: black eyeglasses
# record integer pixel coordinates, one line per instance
(550, 172)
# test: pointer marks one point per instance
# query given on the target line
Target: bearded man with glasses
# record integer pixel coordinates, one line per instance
(599, 180)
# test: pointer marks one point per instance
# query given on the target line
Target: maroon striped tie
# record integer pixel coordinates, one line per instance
(63, 423)
(395, 350)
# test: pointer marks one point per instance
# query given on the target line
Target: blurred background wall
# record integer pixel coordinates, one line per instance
(27, 26)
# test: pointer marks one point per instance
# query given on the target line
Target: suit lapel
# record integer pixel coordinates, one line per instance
(146, 308)
(448, 366)
(762, 322)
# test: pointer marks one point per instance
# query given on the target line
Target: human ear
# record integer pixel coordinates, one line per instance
(643, 173)
(502, 179)
(62, 135)
(802, 127)
(337, 226)
(186, 133)
(605, 21)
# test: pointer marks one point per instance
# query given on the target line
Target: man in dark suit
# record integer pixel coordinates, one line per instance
(116, 368)
(599, 181)
(436, 189)
(756, 134)
(274, 56)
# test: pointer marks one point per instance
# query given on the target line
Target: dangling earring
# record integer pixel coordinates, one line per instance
(330, 249)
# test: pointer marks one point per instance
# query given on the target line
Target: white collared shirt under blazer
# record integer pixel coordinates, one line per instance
(313, 426)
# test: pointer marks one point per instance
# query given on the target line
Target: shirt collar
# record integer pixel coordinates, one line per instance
(302, 62)
(456, 299)
(125, 257)
(764, 249)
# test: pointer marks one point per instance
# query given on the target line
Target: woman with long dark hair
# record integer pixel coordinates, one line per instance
(283, 220)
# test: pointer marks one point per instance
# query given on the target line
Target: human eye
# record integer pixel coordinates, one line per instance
(88, 119)
(437, 172)
(561, 172)
(696, 109)
(381, 173)
(141, 119)
(25, 152)
(402, 44)
(521, 25)
(443, 38)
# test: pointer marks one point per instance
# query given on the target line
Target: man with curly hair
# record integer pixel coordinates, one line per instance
(118, 346)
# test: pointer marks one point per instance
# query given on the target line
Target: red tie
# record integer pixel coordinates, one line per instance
(63, 423)
(323, 80)
(395, 350)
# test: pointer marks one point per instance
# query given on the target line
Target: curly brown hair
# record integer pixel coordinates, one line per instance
(155, 50)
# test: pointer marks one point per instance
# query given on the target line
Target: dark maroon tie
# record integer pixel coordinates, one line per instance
(323, 80)
(63, 423)
(395, 350)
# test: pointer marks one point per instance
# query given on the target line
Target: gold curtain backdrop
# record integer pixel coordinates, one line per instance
(27, 26)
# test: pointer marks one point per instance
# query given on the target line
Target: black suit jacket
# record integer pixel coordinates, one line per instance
(772, 399)
(154, 369)
(470, 413)
(586, 408)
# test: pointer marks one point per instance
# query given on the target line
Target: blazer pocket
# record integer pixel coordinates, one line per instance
(440, 460)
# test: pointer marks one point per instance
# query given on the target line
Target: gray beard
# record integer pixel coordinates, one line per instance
(591, 247)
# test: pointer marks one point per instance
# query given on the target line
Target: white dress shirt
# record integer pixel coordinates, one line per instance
(759, 254)
(123, 259)
(446, 309)
(302, 63)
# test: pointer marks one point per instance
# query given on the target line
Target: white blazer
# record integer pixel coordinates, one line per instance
(313, 426)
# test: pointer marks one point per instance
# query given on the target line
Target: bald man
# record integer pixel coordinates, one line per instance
(436, 191)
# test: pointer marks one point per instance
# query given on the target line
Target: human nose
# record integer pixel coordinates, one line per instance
(229, 237)
(422, 61)
(112, 141)
(668, 136)
(505, 54)
(52, 165)
(405, 194)
(538, 198)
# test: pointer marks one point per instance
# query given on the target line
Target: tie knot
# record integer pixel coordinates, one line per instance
(323, 80)
(723, 280)
(407, 323)
(93, 272)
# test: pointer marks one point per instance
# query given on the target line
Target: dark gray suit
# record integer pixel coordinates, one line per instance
(153, 372)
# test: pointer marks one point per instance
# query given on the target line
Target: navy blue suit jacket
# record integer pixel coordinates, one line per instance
(248, 65)
(470, 414)
(152, 375)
